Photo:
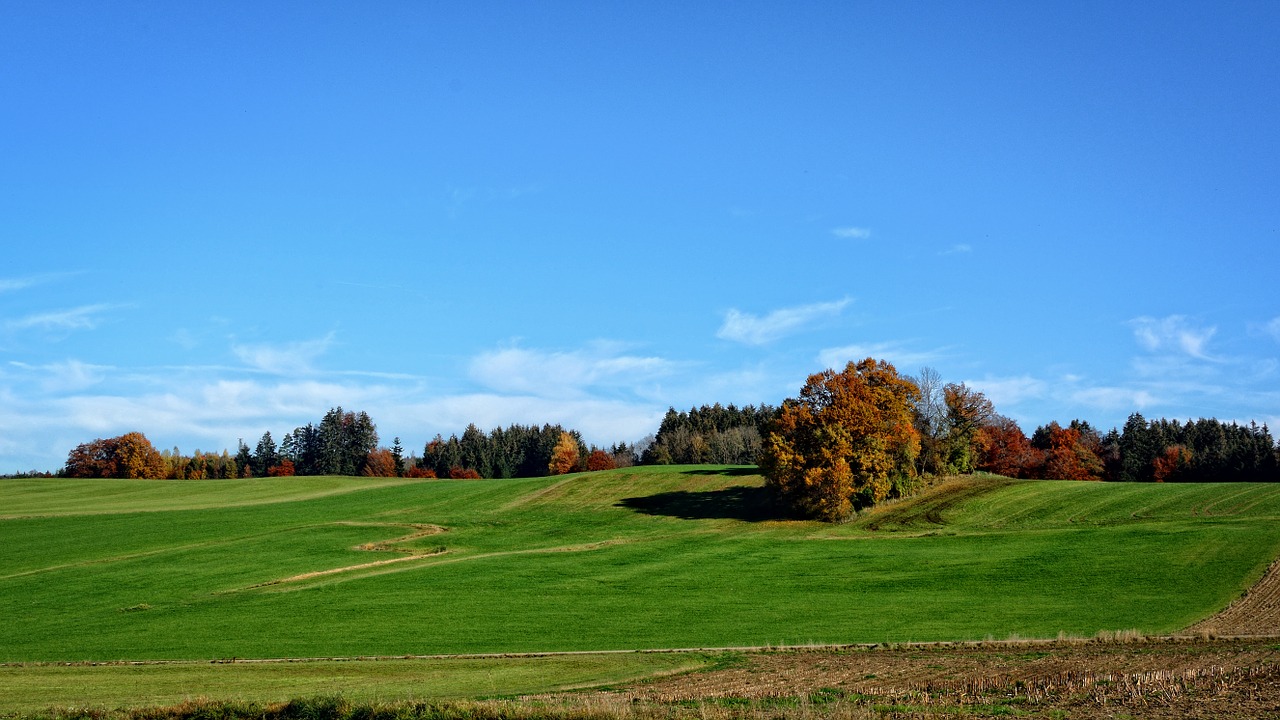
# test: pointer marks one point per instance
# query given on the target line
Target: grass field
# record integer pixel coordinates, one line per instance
(636, 558)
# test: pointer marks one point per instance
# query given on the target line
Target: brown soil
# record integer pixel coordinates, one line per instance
(1087, 679)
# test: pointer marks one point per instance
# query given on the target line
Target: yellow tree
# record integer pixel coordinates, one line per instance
(842, 444)
(564, 457)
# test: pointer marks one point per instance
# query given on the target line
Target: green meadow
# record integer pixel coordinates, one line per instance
(638, 558)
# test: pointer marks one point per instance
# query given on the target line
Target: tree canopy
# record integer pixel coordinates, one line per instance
(845, 442)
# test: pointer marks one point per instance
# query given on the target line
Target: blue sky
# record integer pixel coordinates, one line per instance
(220, 219)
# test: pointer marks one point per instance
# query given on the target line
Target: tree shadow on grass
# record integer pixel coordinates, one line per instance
(751, 504)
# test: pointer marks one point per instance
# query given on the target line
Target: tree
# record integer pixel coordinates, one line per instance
(284, 469)
(127, 456)
(397, 454)
(564, 457)
(265, 456)
(1004, 449)
(380, 463)
(600, 460)
(1069, 453)
(966, 411)
(845, 442)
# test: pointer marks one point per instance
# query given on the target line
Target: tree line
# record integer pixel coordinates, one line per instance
(715, 434)
(849, 440)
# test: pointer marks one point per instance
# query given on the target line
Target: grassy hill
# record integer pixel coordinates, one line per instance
(638, 558)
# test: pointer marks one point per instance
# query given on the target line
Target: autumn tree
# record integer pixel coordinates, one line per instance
(128, 456)
(380, 463)
(1003, 449)
(845, 442)
(283, 469)
(564, 457)
(600, 460)
(967, 410)
(1070, 453)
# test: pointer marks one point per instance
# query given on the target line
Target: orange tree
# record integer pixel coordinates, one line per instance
(128, 456)
(565, 455)
(844, 442)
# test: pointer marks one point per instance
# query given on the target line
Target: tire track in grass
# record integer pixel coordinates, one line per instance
(380, 567)
(420, 530)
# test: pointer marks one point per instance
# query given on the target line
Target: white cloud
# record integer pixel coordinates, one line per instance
(754, 330)
(958, 249)
(284, 359)
(84, 317)
(906, 361)
(1010, 390)
(1114, 399)
(852, 233)
(1173, 334)
(563, 374)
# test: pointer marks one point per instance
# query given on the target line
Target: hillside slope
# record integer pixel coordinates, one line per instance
(634, 558)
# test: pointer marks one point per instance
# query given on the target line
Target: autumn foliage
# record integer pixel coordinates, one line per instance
(379, 463)
(600, 460)
(564, 457)
(284, 469)
(128, 456)
(844, 442)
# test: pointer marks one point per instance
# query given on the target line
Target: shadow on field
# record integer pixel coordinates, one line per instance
(727, 472)
(751, 504)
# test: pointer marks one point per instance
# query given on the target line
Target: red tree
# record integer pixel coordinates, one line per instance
(1004, 449)
(600, 460)
(284, 469)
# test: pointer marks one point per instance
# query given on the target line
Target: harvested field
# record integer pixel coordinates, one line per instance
(1256, 612)
(1086, 679)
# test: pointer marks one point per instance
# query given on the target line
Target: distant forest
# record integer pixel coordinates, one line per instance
(957, 429)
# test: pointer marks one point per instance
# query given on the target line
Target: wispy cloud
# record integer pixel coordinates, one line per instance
(1273, 329)
(294, 358)
(756, 330)
(63, 377)
(22, 283)
(904, 359)
(852, 233)
(1173, 334)
(85, 317)
(958, 249)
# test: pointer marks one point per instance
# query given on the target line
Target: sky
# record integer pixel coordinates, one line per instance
(223, 219)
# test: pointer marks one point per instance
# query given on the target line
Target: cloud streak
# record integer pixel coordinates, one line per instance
(85, 317)
(751, 329)
(905, 360)
(852, 233)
